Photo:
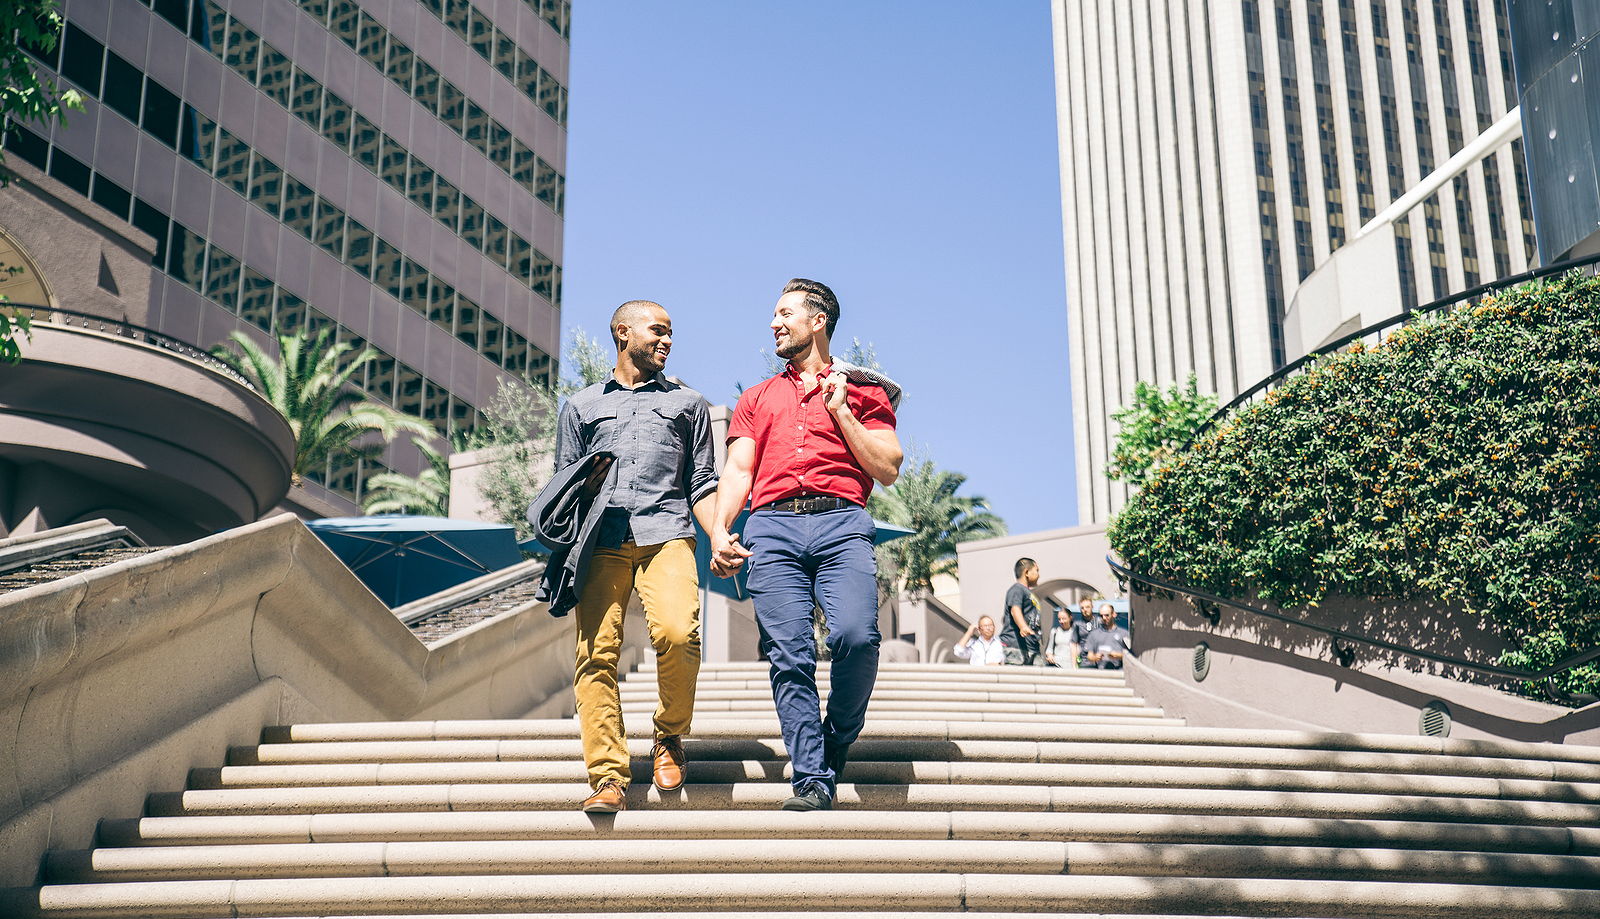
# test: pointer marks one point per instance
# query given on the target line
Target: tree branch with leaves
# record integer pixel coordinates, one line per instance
(1155, 426)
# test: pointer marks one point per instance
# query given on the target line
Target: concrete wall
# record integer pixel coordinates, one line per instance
(117, 681)
(97, 425)
(1358, 285)
(65, 237)
(1272, 675)
(1072, 563)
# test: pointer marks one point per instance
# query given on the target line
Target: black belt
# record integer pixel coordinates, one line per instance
(808, 504)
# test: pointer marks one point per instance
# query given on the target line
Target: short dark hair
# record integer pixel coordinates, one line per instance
(1023, 564)
(626, 313)
(819, 299)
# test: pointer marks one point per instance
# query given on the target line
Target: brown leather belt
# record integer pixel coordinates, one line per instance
(808, 504)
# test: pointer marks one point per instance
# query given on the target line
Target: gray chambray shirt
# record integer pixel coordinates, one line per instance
(660, 434)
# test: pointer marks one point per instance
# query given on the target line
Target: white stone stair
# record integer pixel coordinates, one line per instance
(1004, 791)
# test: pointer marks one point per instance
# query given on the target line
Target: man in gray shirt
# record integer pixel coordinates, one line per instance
(660, 433)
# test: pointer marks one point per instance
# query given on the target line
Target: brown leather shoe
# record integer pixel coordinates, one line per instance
(667, 771)
(607, 799)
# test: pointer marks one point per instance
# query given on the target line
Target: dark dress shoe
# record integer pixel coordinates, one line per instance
(811, 796)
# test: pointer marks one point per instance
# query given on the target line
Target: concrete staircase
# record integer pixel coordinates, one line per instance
(974, 790)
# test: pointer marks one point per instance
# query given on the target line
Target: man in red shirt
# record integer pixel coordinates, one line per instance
(804, 447)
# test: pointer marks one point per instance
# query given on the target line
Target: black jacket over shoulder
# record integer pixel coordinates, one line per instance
(566, 518)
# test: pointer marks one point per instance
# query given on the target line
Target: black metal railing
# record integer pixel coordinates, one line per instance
(1210, 605)
(74, 319)
(1379, 328)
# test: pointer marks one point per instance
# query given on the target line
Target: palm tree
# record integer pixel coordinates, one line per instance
(309, 383)
(924, 500)
(426, 493)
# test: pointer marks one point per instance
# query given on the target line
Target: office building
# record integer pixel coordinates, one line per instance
(1216, 155)
(1558, 86)
(390, 169)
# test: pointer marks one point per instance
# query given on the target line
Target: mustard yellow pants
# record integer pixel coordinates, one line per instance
(669, 589)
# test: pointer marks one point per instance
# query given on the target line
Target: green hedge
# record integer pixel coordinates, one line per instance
(1458, 461)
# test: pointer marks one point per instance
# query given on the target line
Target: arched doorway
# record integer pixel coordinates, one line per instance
(21, 281)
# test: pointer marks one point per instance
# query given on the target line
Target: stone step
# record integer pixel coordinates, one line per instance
(912, 749)
(638, 719)
(1096, 695)
(857, 856)
(1582, 759)
(1022, 687)
(725, 893)
(887, 669)
(761, 795)
(904, 773)
(1074, 825)
(1130, 709)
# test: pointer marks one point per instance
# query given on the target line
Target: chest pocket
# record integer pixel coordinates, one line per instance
(664, 427)
(600, 431)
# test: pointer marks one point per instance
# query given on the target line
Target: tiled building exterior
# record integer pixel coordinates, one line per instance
(393, 169)
(1215, 152)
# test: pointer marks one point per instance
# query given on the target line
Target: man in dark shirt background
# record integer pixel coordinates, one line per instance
(1107, 644)
(660, 433)
(1078, 634)
(1020, 632)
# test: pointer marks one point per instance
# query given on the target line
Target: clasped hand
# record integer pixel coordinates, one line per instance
(727, 554)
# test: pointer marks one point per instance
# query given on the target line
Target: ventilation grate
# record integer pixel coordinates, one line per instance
(1202, 661)
(1435, 720)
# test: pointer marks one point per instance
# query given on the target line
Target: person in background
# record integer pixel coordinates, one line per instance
(1107, 644)
(1058, 648)
(979, 646)
(1020, 632)
(1078, 635)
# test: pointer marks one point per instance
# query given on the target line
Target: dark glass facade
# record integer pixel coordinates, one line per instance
(1557, 58)
(394, 171)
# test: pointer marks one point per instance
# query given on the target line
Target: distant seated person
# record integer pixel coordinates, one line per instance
(1107, 644)
(979, 646)
(1060, 649)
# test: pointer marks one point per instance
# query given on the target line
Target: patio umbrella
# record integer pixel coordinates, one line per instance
(404, 557)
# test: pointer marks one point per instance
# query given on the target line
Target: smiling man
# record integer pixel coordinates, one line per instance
(805, 447)
(660, 433)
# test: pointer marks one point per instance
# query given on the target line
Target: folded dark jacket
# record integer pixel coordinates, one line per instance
(565, 517)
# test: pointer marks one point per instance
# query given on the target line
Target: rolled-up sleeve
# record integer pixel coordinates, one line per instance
(701, 470)
(569, 436)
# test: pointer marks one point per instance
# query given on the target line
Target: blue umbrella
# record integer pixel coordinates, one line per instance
(735, 586)
(404, 557)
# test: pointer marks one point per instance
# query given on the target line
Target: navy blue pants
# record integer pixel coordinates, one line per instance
(799, 561)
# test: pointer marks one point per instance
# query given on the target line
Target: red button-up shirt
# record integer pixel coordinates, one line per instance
(800, 449)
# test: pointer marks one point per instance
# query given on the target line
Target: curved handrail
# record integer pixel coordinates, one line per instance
(1125, 573)
(1400, 319)
(73, 318)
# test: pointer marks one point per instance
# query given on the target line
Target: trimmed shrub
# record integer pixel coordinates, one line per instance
(1457, 460)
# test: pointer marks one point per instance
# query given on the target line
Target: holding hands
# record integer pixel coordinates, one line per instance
(727, 554)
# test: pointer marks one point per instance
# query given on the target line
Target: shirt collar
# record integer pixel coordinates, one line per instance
(793, 372)
(658, 380)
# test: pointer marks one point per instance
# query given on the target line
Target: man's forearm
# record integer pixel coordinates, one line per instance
(1016, 616)
(705, 512)
(878, 451)
(732, 492)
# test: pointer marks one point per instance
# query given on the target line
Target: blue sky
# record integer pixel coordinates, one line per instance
(902, 152)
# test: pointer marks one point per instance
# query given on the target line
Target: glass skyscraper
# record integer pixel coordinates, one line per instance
(390, 169)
